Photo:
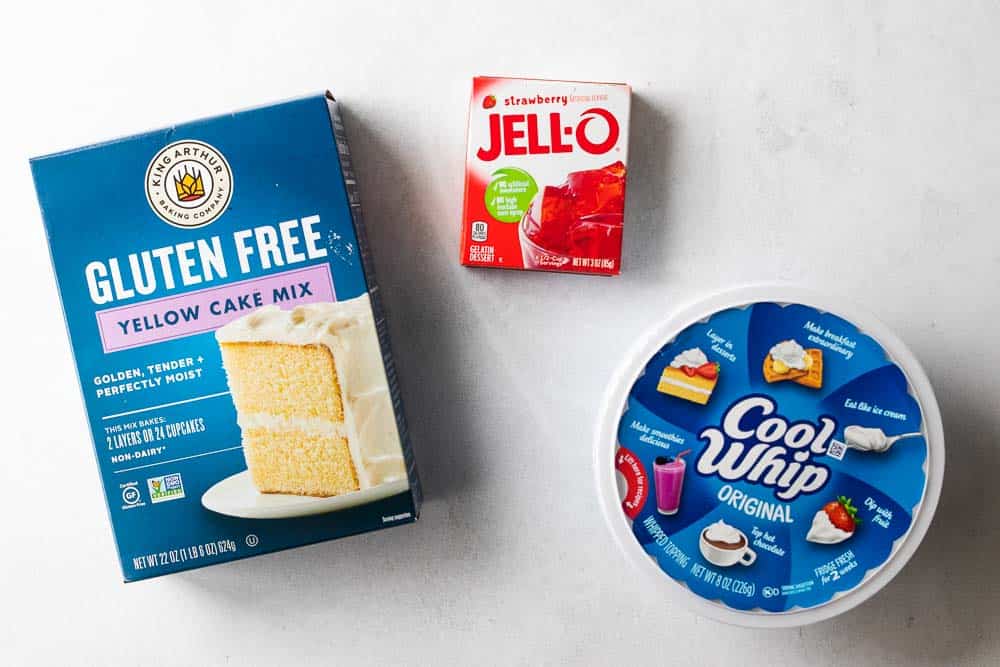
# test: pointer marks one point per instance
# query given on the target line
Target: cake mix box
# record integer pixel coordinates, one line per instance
(545, 175)
(229, 337)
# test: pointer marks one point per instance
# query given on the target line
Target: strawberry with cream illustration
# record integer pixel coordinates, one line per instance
(690, 376)
(834, 523)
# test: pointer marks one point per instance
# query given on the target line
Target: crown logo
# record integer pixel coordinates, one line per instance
(189, 186)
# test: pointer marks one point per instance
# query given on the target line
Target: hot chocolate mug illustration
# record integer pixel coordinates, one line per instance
(723, 545)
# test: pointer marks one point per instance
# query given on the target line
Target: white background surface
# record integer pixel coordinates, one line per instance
(853, 146)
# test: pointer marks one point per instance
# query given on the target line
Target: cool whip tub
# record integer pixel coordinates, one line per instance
(815, 464)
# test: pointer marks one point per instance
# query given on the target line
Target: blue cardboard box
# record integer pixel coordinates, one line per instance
(197, 266)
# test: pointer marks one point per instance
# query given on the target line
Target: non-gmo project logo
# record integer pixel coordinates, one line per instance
(189, 184)
(165, 487)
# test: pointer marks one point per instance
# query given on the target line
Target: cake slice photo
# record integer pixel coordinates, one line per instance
(790, 361)
(690, 376)
(312, 399)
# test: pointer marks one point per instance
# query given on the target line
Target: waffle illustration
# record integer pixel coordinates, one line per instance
(814, 375)
(771, 375)
(810, 375)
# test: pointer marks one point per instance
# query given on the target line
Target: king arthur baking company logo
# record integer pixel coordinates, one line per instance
(189, 184)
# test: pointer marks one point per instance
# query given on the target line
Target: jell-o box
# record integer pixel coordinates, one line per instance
(545, 175)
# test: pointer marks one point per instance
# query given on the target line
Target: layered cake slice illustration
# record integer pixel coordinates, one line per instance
(788, 360)
(690, 376)
(312, 399)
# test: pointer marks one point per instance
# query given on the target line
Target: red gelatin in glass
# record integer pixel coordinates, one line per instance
(554, 219)
(598, 190)
(582, 217)
(598, 237)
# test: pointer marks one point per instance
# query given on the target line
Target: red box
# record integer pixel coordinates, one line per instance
(545, 175)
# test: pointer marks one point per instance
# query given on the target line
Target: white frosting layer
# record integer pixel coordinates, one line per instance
(692, 358)
(791, 354)
(676, 382)
(311, 425)
(347, 329)
(823, 531)
(866, 439)
(720, 531)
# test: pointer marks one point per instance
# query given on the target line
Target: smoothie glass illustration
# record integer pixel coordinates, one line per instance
(668, 478)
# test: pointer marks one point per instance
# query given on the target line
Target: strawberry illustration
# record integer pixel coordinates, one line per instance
(842, 514)
(489, 102)
(709, 371)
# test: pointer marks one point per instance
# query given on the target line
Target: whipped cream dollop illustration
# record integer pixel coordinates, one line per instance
(791, 354)
(822, 530)
(692, 358)
(720, 531)
(866, 439)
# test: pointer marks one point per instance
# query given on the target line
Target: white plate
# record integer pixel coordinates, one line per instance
(237, 496)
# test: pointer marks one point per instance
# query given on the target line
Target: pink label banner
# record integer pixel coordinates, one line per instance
(208, 309)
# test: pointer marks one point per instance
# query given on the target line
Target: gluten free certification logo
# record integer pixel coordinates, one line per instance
(131, 496)
(189, 184)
